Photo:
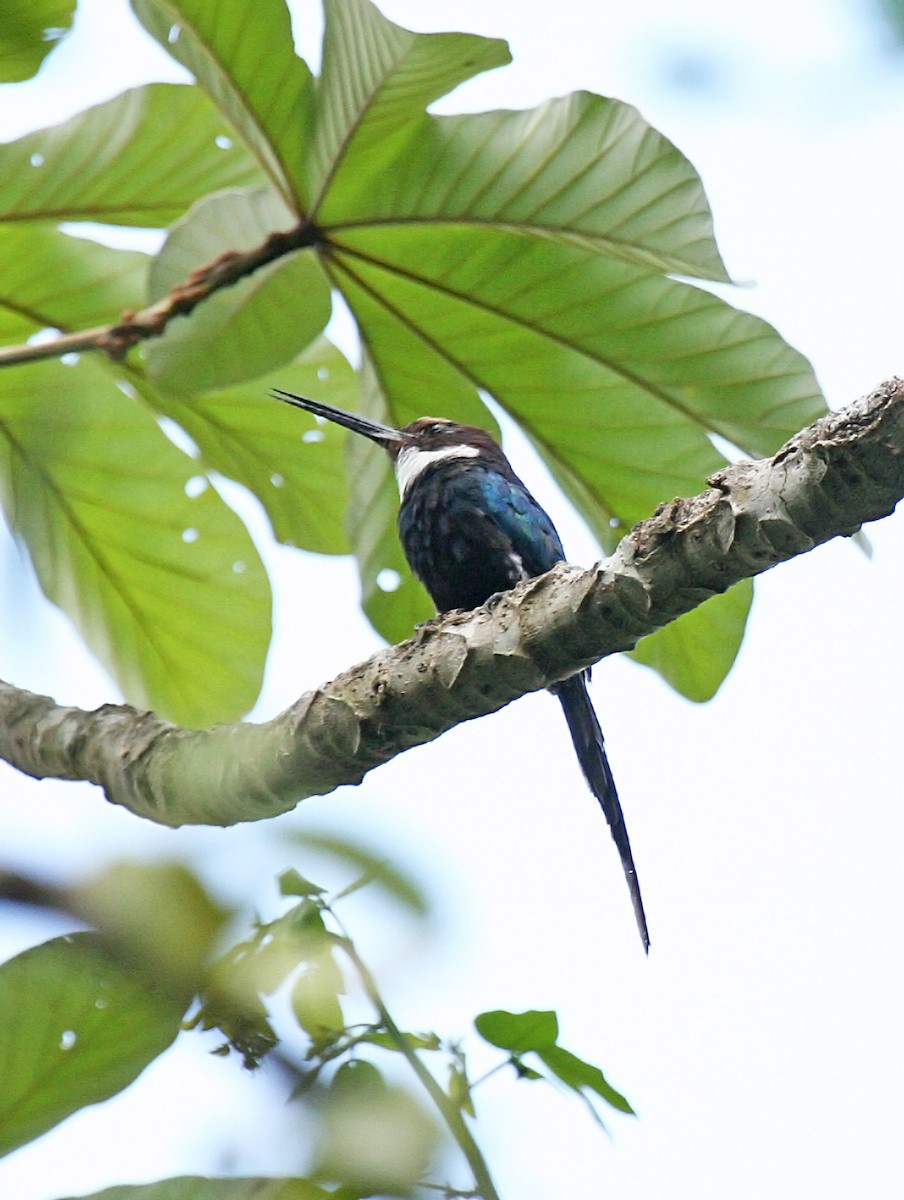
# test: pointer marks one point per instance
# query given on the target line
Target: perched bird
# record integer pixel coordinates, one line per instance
(470, 528)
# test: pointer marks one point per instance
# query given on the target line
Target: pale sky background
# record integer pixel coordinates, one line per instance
(762, 1042)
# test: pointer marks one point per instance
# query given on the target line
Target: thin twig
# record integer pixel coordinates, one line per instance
(450, 1113)
(117, 339)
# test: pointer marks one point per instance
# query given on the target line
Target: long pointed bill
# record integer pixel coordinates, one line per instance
(385, 435)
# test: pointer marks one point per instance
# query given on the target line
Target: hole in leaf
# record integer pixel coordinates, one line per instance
(195, 486)
(323, 372)
(277, 480)
(48, 334)
(190, 535)
(126, 388)
(614, 522)
(69, 360)
(178, 436)
(313, 435)
(223, 141)
(68, 1038)
(37, 160)
(238, 567)
(389, 580)
(174, 34)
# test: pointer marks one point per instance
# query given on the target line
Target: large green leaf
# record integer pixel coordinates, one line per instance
(696, 652)
(242, 331)
(526, 256)
(139, 159)
(529, 255)
(294, 465)
(243, 57)
(375, 77)
(581, 168)
(617, 375)
(100, 283)
(75, 1028)
(127, 537)
(28, 32)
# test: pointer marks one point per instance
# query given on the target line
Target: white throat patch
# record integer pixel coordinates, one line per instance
(413, 462)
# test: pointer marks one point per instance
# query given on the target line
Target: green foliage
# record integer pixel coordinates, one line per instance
(76, 1028)
(193, 1187)
(120, 163)
(249, 69)
(29, 31)
(529, 257)
(538, 1033)
(293, 466)
(129, 539)
(376, 1137)
(390, 879)
(696, 653)
(82, 1015)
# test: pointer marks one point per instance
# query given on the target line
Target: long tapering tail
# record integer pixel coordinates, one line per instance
(591, 751)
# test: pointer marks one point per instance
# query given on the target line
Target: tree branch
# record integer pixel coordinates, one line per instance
(825, 482)
(117, 339)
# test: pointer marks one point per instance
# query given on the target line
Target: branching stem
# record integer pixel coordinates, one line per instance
(451, 1115)
(134, 327)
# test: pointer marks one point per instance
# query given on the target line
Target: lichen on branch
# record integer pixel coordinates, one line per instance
(827, 481)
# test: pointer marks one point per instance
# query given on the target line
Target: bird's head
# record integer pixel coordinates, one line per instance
(412, 448)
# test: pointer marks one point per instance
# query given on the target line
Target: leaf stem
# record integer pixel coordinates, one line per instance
(448, 1111)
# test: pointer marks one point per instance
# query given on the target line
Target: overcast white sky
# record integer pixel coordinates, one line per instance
(761, 1043)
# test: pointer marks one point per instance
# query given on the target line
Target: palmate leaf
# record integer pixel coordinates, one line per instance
(139, 159)
(126, 536)
(75, 1028)
(619, 437)
(28, 32)
(528, 255)
(243, 58)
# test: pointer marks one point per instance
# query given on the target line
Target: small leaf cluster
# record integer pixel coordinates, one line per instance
(537, 1033)
(84, 1014)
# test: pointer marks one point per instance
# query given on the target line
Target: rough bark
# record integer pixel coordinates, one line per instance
(826, 482)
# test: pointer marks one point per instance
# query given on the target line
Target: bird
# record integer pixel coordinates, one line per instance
(470, 529)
